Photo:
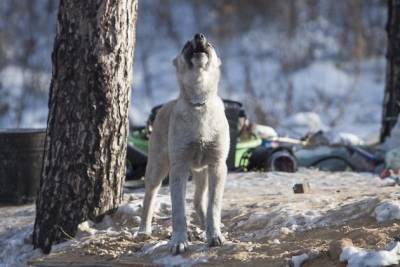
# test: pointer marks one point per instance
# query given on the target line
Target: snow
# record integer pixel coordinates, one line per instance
(12, 86)
(299, 259)
(87, 227)
(258, 208)
(387, 211)
(17, 247)
(302, 123)
(178, 261)
(358, 257)
(129, 209)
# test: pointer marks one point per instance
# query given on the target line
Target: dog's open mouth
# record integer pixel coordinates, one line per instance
(197, 49)
(200, 47)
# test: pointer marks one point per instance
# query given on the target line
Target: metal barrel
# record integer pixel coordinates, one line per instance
(21, 158)
(232, 112)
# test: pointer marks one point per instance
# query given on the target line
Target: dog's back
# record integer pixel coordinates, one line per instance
(158, 144)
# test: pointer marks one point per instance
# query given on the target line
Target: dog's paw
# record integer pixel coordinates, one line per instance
(178, 247)
(142, 236)
(216, 240)
(179, 243)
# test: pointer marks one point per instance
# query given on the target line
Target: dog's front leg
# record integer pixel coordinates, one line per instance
(200, 178)
(179, 175)
(217, 177)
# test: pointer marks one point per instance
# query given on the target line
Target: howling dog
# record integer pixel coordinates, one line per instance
(190, 138)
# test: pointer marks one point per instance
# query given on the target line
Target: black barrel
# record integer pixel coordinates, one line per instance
(232, 111)
(21, 157)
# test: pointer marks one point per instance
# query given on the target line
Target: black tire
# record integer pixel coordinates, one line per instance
(282, 161)
(272, 159)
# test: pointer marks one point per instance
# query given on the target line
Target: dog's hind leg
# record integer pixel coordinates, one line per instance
(200, 178)
(217, 176)
(156, 171)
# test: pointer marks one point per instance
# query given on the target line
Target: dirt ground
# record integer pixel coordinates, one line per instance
(265, 224)
(363, 232)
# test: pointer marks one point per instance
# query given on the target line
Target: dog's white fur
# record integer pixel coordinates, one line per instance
(190, 137)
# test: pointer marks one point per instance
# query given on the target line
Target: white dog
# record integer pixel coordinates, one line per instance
(190, 137)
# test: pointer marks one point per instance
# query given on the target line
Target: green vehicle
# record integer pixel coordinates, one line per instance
(250, 154)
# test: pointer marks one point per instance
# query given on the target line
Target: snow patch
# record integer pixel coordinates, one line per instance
(86, 227)
(298, 125)
(358, 257)
(130, 209)
(17, 247)
(298, 260)
(387, 211)
(151, 248)
(178, 260)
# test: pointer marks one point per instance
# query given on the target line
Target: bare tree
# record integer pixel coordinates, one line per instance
(84, 162)
(391, 105)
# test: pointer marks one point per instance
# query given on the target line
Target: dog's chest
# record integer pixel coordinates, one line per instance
(201, 152)
(198, 135)
(204, 128)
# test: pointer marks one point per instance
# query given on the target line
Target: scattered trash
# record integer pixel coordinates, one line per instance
(332, 138)
(340, 158)
(392, 166)
(393, 176)
(301, 188)
(265, 132)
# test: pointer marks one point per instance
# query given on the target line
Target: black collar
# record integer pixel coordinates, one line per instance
(198, 105)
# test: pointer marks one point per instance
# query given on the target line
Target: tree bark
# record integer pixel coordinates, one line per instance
(391, 104)
(84, 163)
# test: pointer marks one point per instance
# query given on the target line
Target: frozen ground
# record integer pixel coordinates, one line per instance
(265, 223)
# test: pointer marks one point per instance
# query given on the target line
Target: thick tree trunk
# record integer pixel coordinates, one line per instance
(84, 162)
(391, 105)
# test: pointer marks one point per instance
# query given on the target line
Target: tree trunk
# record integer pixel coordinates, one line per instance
(391, 104)
(84, 163)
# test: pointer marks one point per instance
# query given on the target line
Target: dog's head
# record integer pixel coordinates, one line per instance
(197, 68)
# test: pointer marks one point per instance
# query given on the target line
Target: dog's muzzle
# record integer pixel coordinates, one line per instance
(197, 47)
(200, 43)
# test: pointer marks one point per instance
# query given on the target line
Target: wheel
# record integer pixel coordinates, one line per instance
(272, 159)
(282, 161)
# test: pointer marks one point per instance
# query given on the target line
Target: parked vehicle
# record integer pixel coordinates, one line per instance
(252, 153)
(266, 153)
